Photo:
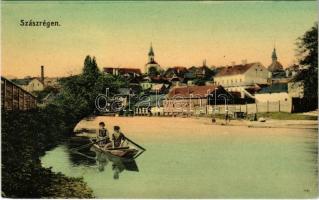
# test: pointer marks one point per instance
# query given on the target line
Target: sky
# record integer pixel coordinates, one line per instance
(119, 34)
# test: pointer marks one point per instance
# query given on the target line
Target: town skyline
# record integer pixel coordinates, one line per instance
(117, 40)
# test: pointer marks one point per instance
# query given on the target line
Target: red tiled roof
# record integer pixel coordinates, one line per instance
(234, 70)
(195, 91)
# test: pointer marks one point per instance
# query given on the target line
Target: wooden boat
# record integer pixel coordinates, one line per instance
(120, 152)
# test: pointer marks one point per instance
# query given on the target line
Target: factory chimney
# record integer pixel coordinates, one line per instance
(42, 73)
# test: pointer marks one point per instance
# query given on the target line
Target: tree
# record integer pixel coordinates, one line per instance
(307, 49)
(79, 92)
(90, 68)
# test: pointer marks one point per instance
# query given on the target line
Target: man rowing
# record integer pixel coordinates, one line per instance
(118, 137)
(103, 134)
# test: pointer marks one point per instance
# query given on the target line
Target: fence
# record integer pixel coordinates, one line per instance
(260, 107)
(276, 106)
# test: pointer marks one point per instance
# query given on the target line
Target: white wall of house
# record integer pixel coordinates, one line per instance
(255, 74)
(146, 85)
(34, 85)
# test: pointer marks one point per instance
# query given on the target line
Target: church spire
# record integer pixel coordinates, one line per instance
(151, 52)
(274, 55)
(151, 55)
(204, 63)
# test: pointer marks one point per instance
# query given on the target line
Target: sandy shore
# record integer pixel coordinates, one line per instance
(188, 127)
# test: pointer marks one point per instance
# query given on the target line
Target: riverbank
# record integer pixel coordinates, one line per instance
(88, 126)
(26, 136)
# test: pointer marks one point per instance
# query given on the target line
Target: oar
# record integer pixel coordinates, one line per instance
(135, 144)
(87, 145)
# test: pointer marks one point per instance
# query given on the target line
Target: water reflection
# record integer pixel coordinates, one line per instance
(92, 156)
(118, 164)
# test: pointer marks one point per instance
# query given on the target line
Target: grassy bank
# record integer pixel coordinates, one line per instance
(272, 115)
(25, 138)
(287, 116)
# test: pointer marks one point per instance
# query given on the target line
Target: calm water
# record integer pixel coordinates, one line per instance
(217, 166)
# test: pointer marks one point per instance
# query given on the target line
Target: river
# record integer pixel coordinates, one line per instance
(191, 158)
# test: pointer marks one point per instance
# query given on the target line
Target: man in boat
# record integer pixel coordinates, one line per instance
(118, 137)
(103, 134)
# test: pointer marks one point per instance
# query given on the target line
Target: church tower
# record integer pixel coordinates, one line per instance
(276, 70)
(151, 54)
(151, 64)
(274, 55)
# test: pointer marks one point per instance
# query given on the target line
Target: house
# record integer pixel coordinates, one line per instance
(274, 92)
(241, 78)
(200, 72)
(274, 98)
(242, 75)
(159, 88)
(175, 71)
(123, 71)
(282, 97)
(123, 96)
(146, 83)
(150, 105)
(30, 84)
(51, 81)
(194, 99)
(176, 81)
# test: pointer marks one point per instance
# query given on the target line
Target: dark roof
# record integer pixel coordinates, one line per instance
(234, 70)
(21, 81)
(130, 70)
(195, 91)
(189, 75)
(122, 70)
(24, 81)
(274, 88)
(278, 74)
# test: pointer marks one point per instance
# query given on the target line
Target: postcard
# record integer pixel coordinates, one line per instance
(159, 99)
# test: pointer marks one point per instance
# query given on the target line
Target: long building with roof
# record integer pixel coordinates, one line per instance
(242, 75)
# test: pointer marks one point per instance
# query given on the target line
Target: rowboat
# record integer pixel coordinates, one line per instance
(124, 153)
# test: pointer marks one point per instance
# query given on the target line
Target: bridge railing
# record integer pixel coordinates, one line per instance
(13, 97)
